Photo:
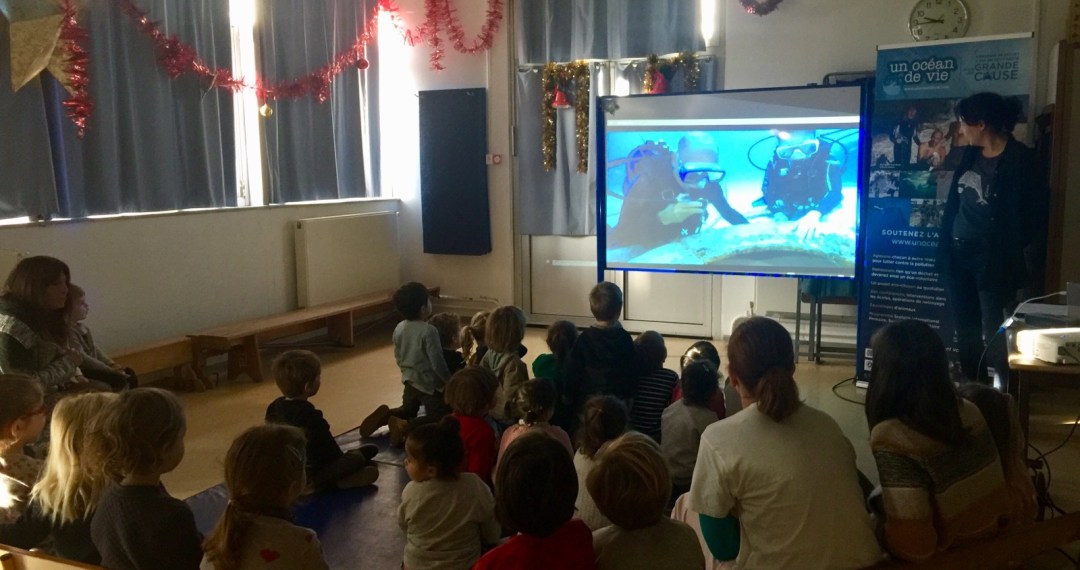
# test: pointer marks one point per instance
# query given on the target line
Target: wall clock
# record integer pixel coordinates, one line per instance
(939, 19)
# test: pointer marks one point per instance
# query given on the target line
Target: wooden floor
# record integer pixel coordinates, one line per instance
(356, 380)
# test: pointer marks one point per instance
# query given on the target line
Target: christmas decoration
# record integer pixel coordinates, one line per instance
(559, 101)
(555, 78)
(76, 68)
(659, 69)
(439, 16)
(266, 111)
(34, 33)
(760, 7)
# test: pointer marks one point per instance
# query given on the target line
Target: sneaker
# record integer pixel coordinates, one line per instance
(374, 421)
(369, 450)
(362, 478)
(397, 430)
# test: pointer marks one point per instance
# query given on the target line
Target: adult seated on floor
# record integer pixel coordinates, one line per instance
(776, 483)
(942, 483)
(33, 332)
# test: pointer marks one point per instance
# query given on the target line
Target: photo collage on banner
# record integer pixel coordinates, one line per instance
(915, 146)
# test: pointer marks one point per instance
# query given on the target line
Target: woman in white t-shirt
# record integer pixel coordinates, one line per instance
(776, 483)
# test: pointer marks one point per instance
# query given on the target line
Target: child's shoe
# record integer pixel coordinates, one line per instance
(362, 478)
(374, 421)
(397, 430)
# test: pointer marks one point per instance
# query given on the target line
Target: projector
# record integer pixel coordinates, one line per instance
(1057, 346)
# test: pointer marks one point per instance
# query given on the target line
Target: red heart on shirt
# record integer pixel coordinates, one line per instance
(269, 555)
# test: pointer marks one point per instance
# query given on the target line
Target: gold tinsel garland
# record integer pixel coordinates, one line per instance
(687, 60)
(562, 76)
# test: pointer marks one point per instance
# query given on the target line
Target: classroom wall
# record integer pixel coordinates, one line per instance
(404, 72)
(155, 276)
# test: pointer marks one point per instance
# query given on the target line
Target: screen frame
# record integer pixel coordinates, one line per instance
(865, 110)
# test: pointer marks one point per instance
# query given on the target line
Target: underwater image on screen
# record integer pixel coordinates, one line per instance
(764, 198)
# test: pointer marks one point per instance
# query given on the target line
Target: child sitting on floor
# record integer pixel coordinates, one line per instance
(684, 421)
(534, 403)
(96, 365)
(605, 418)
(22, 419)
(631, 486)
(138, 524)
(654, 385)
(264, 474)
(534, 496)
(726, 402)
(473, 346)
(446, 515)
(602, 359)
(418, 352)
(505, 331)
(298, 376)
(470, 393)
(63, 501)
(561, 336)
(449, 327)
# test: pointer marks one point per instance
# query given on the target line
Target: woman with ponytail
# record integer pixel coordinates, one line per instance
(264, 474)
(776, 484)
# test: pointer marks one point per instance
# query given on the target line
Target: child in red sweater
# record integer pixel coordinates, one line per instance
(470, 393)
(534, 496)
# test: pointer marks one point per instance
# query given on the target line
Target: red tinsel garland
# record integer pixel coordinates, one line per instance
(79, 106)
(438, 16)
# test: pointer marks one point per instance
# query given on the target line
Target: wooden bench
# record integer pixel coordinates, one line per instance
(12, 558)
(174, 353)
(242, 340)
(1009, 550)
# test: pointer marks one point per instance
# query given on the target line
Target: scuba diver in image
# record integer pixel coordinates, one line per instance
(670, 195)
(903, 135)
(803, 179)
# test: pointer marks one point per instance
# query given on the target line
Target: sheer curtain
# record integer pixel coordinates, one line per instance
(563, 201)
(312, 150)
(153, 143)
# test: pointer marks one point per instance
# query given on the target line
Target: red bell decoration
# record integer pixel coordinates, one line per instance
(660, 83)
(560, 101)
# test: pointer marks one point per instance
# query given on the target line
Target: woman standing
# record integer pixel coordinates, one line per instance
(992, 214)
(33, 332)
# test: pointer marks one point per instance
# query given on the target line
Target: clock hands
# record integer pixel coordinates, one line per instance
(931, 21)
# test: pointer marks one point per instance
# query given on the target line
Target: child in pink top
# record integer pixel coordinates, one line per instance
(470, 393)
(534, 496)
(535, 404)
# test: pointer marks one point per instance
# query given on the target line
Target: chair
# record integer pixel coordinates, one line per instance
(817, 293)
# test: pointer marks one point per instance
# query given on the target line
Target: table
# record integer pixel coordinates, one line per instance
(1026, 373)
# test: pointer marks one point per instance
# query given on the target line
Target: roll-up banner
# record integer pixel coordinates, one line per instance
(916, 142)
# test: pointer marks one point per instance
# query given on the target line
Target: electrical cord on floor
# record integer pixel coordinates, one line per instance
(837, 394)
(1066, 555)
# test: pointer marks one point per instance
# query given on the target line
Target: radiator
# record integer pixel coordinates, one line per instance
(338, 257)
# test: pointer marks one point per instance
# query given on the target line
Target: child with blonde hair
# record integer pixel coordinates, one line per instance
(473, 345)
(449, 327)
(22, 419)
(64, 500)
(631, 486)
(298, 375)
(534, 496)
(470, 393)
(447, 516)
(504, 333)
(534, 403)
(138, 524)
(605, 418)
(264, 474)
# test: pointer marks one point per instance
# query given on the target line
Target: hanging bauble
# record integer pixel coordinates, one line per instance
(362, 64)
(266, 111)
(660, 83)
(560, 101)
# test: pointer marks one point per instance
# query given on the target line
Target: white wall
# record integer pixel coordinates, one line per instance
(404, 72)
(150, 277)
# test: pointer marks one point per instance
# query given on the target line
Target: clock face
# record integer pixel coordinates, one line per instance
(938, 19)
